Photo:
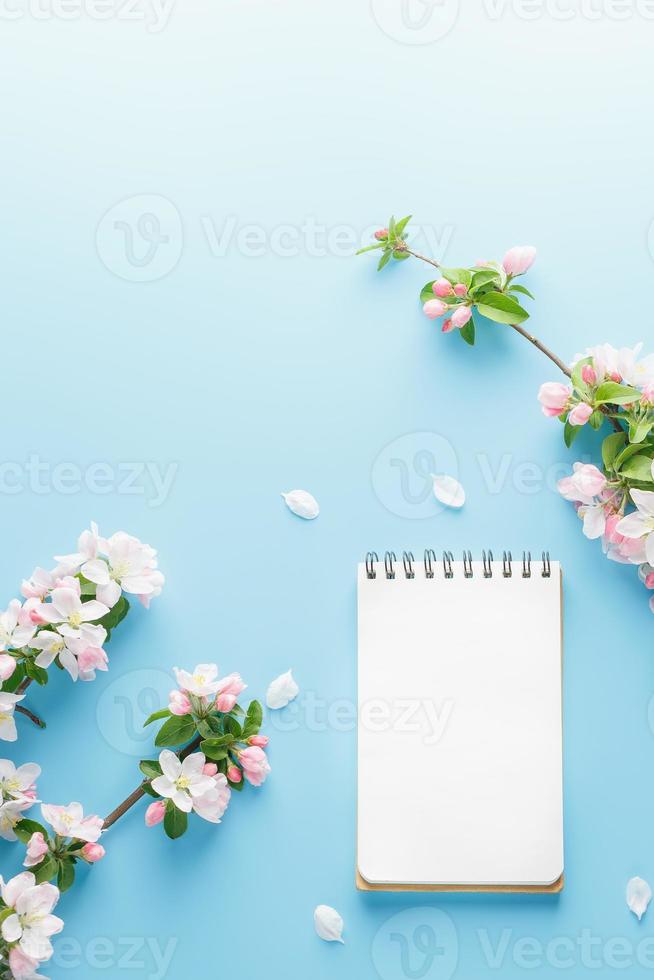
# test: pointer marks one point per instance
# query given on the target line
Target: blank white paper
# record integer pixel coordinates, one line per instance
(459, 727)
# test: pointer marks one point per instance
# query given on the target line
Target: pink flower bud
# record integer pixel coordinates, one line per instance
(155, 813)
(210, 769)
(648, 395)
(178, 703)
(518, 259)
(7, 666)
(614, 376)
(588, 374)
(460, 289)
(234, 773)
(553, 397)
(260, 740)
(381, 234)
(580, 414)
(442, 287)
(649, 580)
(93, 852)
(434, 308)
(461, 316)
(448, 326)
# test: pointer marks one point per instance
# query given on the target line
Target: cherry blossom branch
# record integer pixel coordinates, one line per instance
(31, 715)
(401, 247)
(140, 792)
(68, 614)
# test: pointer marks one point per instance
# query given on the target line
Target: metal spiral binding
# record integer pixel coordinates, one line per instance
(507, 571)
(407, 561)
(430, 563)
(389, 564)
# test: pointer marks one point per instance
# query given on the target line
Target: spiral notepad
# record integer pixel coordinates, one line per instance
(459, 723)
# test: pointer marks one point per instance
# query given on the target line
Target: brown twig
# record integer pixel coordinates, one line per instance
(30, 714)
(561, 365)
(139, 792)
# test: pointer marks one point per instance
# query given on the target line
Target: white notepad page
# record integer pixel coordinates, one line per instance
(459, 730)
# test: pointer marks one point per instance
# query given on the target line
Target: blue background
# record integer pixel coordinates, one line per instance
(257, 373)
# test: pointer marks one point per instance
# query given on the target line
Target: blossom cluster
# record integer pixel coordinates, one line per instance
(606, 382)
(460, 295)
(203, 710)
(67, 614)
(27, 900)
(615, 503)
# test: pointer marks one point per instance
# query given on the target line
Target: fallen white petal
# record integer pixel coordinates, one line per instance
(302, 503)
(448, 490)
(282, 690)
(328, 924)
(638, 896)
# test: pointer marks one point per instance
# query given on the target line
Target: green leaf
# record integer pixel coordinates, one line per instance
(46, 870)
(369, 248)
(616, 394)
(468, 332)
(501, 308)
(254, 714)
(638, 468)
(457, 276)
(596, 419)
(150, 768)
(516, 288)
(16, 678)
(484, 277)
(400, 254)
(176, 731)
(115, 615)
(38, 674)
(638, 431)
(233, 727)
(384, 259)
(401, 225)
(392, 228)
(570, 433)
(156, 715)
(611, 447)
(427, 292)
(218, 742)
(65, 875)
(175, 821)
(147, 788)
(627, 453)
(25, 828)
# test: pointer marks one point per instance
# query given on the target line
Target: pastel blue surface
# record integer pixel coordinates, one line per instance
(255, 361)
